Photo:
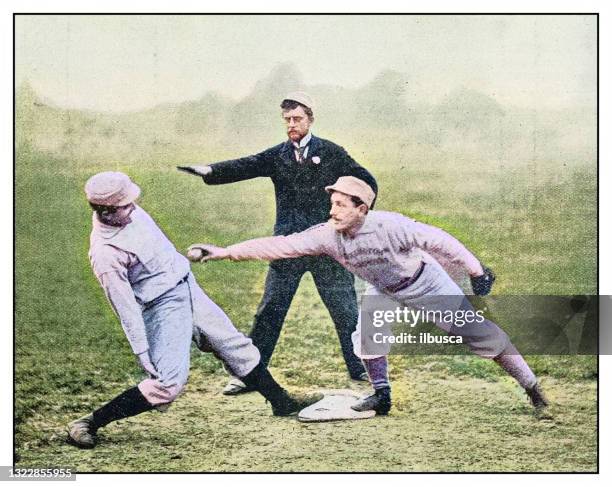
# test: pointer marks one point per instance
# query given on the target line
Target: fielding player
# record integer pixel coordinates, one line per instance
(394, 254)
(161, 307)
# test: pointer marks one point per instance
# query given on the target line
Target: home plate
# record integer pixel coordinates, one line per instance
(335, 406)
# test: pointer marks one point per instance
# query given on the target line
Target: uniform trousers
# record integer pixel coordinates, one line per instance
(433, 291)
(175, 318)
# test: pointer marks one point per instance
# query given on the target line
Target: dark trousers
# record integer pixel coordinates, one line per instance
(336, 288)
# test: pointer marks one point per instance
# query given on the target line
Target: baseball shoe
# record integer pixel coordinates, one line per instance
(380, 402)
(294, 403)
(82, 432)
(539, 402)
(235, 386)
(363, 377)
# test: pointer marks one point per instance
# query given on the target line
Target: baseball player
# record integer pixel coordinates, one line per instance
(299, 168)
(393, 254)
(161, 307)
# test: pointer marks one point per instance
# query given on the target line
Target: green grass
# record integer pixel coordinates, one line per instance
(534, 224)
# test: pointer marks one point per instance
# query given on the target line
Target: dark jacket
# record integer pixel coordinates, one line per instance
(301, 199)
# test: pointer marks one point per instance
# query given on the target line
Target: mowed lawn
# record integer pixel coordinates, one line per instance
(535, 225)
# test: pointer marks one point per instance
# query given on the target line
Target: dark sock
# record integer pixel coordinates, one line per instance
(262, 381)
(377, 371)
(128, 403)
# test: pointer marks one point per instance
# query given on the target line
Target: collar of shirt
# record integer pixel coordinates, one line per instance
(304, 141)
(302, 145)
(369, 226)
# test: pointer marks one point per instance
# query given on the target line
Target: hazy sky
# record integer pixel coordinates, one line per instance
(132, 62)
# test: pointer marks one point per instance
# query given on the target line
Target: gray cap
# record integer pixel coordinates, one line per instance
(111, 189)
(301, 97)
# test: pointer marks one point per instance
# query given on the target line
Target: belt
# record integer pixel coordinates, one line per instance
(407, 281)
(149, 303)
(184, 279)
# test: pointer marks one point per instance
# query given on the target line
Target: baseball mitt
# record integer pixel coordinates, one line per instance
(482, 284)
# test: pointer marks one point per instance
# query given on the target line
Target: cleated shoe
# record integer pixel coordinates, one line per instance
(539, 402)
(82, 432)
(380, 402)
(295, 403)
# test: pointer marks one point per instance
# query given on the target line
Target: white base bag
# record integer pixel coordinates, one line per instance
(335, 406)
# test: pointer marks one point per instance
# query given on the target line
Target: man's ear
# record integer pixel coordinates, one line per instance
(363, 209)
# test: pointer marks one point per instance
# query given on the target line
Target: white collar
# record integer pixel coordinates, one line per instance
(304, 140)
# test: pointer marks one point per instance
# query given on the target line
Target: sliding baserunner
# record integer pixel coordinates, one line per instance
(161, 308)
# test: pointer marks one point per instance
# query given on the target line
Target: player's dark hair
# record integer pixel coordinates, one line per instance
(358, 201)
(292, 104)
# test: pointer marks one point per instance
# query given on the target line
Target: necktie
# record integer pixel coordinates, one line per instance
(299, 153)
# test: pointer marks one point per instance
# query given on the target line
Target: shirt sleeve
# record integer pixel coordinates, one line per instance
(114, 282)
(258, 165)
(434, 240)
(317, 240)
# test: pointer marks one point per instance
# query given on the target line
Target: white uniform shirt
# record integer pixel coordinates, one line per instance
(387, 249)
(134, 264)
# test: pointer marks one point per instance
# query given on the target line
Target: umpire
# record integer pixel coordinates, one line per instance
(300, 168)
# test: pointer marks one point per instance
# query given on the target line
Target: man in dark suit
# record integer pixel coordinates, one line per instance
(300, 168)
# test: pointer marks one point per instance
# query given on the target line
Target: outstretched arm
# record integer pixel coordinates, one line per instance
(258, 165)
(317, 240)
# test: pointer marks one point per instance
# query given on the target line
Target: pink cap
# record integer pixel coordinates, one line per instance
(111, 189)
(353, 187)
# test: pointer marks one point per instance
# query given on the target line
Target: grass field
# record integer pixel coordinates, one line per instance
(535, 224)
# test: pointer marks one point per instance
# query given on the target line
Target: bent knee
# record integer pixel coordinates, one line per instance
(157, 393)
(490, 345)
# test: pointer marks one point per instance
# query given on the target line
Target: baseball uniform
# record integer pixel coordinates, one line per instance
(387, 251)
(151, 288)
(161, 308)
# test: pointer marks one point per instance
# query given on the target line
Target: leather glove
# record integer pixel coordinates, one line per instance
(482, 284)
